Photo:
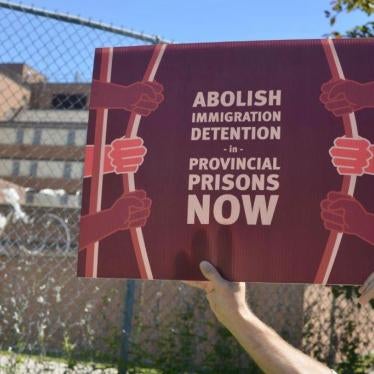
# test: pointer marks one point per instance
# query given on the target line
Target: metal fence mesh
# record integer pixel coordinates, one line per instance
(45, 70)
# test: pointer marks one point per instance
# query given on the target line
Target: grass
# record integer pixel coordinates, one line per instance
(11, 362)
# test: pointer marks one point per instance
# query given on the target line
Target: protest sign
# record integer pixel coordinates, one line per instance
(256, 156)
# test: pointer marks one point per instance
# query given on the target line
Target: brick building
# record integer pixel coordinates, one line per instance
(42, 134)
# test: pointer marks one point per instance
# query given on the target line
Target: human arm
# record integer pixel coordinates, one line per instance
(94, 227)
(140, 97)
(367, 290)
(271, 353)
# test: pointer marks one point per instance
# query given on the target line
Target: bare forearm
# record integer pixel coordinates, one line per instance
(108, 95)
(271, 353)
(369, 90)
(366, 228)
(95, 227)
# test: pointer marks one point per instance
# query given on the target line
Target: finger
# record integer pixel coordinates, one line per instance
(333, 217)
(368, 286)
(361, 153)
(350, 170)
(160, 98)
(147, 203)
(336, 104)
(211, 273)
(141, 111)
(147, 105)
(337, 89)
(325, 204)
(366, 296)
(323, 97)
(126, 169)
(366, 283)
(127, 142)
(157, 86)
(347, 142)
(117, 154)
(333, 226)
(342, 111)
(139, 194)
(131, 202)
(154, 86)
(326, 87)
(139, 223)
(129, 161)
(125, 146)
(147, 89)
(197, 284)
(334, 195)
(146, 102)
(139, 214)
(358, 163)
(344, 204)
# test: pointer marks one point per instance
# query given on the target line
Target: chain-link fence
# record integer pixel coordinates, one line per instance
(45, 311)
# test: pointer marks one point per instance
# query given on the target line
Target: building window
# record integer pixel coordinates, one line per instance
(68, 101)
(37, 136)
(67, 170)
(33, 168)
(15, 169)
(71, 137)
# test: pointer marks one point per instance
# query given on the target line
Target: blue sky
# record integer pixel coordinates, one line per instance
(64, 52)
(212, 20)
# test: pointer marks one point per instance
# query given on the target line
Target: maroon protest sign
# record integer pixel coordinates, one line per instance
(257, 156)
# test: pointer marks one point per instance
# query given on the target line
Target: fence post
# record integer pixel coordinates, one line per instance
(128, 310)
(331, 356)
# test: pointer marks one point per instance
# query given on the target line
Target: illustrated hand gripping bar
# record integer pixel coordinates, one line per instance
(121, 156)
(352, 156)
(343, 213)
(349, 181)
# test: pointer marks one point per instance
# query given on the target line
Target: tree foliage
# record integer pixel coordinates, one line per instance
(347, 6)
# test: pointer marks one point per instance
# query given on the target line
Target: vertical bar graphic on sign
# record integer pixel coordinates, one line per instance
(349, 182)
(137, 237)
(98, 162)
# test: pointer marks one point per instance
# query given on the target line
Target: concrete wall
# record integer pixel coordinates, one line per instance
(14, 96)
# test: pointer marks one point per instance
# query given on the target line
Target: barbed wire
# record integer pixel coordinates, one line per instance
(154, 39)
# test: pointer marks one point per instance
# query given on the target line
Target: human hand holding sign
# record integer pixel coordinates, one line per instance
(343, 213)
(353, 156)
(367, 290)
(271, 353)
(131, 210)
(342, 96)
(141, 97)
(226, 299)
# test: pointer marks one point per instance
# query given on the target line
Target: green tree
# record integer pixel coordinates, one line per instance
(346, 6)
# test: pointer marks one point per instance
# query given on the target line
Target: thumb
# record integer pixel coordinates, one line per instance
(337, 89)
(211, 273)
